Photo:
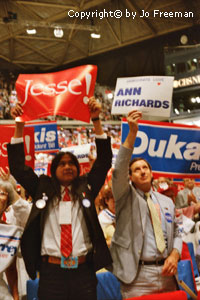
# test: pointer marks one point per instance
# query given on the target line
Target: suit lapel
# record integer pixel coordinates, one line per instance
(143, 211)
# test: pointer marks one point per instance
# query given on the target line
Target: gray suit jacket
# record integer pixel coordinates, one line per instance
(127, 242)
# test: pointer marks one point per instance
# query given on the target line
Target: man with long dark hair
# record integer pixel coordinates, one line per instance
(63, 239)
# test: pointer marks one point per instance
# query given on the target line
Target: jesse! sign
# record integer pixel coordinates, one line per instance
(61, 93)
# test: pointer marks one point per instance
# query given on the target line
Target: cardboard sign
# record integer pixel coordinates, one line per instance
(10, 236)
(5, 137)
(45, 137)
(171, 149)
(62, 93)
(150, 94)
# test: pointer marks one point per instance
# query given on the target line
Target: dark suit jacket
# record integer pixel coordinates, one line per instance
(88, 188)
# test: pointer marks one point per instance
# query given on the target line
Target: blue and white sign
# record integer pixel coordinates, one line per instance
(171, 149)
(46, 137)
(80, 151)
(150, 94)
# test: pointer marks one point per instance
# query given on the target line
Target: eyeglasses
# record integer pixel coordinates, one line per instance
(2, 193)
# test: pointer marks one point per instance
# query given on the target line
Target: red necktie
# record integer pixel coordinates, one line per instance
(66, 233)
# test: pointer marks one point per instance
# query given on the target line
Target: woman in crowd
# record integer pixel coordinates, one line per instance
(17, 214)
(107, 215)
(6, 199)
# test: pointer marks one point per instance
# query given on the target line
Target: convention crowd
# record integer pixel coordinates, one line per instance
(126, 243)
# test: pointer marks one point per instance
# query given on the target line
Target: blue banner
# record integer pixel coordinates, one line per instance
(170, 148)
(46, 137)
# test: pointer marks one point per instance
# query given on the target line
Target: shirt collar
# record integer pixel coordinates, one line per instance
(142, 194)
(63, 189)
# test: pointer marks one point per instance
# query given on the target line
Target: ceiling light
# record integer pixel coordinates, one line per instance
(95, 32)
(95, 35)
(198, 99)
(184, 39)
(193, 100)
(189, 111)
(58, 32)
(31, 30)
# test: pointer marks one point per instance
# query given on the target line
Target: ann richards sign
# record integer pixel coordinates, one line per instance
(150, 94)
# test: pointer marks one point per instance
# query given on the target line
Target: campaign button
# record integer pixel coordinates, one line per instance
(86, 203)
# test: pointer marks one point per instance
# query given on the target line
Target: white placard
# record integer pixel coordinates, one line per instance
(9, 243)
(65, 212)
(151, 95)
(80, 151)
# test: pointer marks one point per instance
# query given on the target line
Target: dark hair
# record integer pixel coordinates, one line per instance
(136, 159)
(54, 165)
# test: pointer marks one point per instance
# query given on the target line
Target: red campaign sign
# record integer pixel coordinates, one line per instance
(5, 137)
(62, 93)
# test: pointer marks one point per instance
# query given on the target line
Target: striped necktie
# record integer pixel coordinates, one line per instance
(66, 232)
(157, 226)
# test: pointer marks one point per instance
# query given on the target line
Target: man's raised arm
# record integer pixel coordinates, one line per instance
(132, 120)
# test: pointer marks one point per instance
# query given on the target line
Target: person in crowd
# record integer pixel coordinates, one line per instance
(189, 195)
(107, 215)
(6, 199)
(146, 245)
(167, 187)
(17, 214)
(63, 239)
(171, 192)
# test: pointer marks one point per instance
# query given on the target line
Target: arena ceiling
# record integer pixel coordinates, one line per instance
(78, 18)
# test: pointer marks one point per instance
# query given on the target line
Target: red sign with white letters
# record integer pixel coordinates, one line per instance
(64, 93)
(5, 137)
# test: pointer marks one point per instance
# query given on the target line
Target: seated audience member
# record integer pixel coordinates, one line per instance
(171, 192)
(6, 198)
(163, 182)
(63, 239)
(167, 187)
(107, 215)
(189, 195)
(146, 245)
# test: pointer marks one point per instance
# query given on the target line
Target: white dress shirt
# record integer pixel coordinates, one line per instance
(81, 242)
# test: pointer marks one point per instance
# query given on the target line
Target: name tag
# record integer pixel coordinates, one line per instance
(65, 212)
